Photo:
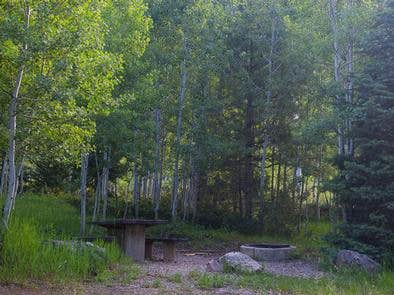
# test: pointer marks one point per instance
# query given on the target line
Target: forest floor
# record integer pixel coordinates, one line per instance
(32, 275)
(185, 276)
(188, 276)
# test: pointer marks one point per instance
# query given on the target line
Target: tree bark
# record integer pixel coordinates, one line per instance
(349, 83)
(318, 184)
(174, 196)
(156, 174)
(84, 173)
(249, 183)
(272, 176)
(19, 178)
(278, 177)
(333, 14)
(104, 183)
(12, 130)
(262, 181)
(4, 173)
(136, 193)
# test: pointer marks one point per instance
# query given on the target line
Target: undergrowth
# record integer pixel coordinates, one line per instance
(28, 253)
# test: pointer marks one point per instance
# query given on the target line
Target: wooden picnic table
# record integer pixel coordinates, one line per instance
(130, 234)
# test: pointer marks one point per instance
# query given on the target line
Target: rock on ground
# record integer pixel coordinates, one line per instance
(214, 266)
(353, 258)
(239, 262)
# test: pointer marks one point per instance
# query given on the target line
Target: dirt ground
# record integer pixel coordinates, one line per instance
(157, 278)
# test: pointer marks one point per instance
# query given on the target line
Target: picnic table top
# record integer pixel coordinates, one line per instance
(167, 239)
(128, 222)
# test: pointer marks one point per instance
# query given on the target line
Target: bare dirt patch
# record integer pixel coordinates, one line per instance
(159, 277)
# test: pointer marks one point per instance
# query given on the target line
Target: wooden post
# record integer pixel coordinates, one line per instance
(148, 249)
(134, 242)
(169, 251)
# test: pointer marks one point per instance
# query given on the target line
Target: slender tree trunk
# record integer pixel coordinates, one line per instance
(84, 173)
(349, 83)
(163, 145)
(9, 202)
(185, 190)
(4, 174)
(300, 201)
(306, 203)
(337, 64)
(278, 177)
(273, 176)
(105, 175)
(262, 181)
(156, 173)
(136, 193)
(98, 190)
(249, 182)
(318, 184)
(285, 179)
(174, 196)
(127, 190)
(97, 193)
(19, 177)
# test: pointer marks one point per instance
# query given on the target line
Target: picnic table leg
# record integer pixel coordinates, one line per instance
(134, 242)
(169, 251)
(148, 249)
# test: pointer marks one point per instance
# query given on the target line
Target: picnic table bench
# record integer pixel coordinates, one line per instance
(130, 234)
(169, 249)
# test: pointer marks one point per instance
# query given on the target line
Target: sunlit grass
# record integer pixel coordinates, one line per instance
(28, 253)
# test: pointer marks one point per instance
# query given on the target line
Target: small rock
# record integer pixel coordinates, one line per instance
(240, 262)
(353, 258)
(214, 266)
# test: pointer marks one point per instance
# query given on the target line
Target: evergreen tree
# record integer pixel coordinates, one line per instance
(365, 188)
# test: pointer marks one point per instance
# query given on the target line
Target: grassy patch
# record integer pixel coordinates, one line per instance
(345, 282)
(28, 254)
(175, 278)
(122, 273)
(203, 238)
(211, 280)
(155, 284)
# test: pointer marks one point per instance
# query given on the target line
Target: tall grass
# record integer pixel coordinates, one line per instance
(28, 253)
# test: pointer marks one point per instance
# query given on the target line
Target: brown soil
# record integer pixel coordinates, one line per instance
(157, 278)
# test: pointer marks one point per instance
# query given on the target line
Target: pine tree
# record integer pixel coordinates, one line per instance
(365, 188)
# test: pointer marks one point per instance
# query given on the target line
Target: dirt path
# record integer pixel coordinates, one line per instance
(160, 277)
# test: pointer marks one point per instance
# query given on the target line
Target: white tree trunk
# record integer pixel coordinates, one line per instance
(349, 82)
(12, 132)
(104, 183)
(4, 173)
(156, 173)
(127, 190)
(19, 177)
(174, 196)
(84, 173)
(333, 14)
(136, 192)
(262, 180)
(318, 183)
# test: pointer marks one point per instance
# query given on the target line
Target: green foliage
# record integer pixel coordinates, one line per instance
(345, 282)
(49, 213)
(27, 253)
(365, 184)
(175, 278)
(209, 280)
